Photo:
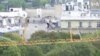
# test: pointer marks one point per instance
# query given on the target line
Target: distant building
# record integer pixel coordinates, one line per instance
(14, 12)
(78, 16)
(12, 21)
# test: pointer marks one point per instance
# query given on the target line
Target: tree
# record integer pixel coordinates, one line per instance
(13, 36)
(16, 37)
(34, 51)
(75, 49)
(43, 2)
(16, 3)
(2, 7)
(39, 3)
(23, 50)
(49, 35)
(97, 45)
(8, 50)
(47, 48)
(36, 3)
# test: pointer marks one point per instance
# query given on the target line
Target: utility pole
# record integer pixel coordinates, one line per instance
(71, 37)
(79, 33)
(97, 32)
(56, 1)
(25, 28)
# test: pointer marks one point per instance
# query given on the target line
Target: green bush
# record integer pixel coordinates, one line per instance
(2, 7)
(75, 49)
(76, 36)
(8, 50)
(34, 51)
(13, 36)
(47, 48)
(49, 35)
(89, 35)
(96, 44)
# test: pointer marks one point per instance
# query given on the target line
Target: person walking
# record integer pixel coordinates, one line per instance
(47, 22)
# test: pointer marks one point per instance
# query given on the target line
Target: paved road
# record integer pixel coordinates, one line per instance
(33, 27)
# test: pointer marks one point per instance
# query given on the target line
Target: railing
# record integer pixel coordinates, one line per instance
(41, 42)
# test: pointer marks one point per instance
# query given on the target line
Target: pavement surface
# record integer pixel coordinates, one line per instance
(36, 24)
(33, 27)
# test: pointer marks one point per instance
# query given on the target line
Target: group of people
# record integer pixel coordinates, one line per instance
(52, 23)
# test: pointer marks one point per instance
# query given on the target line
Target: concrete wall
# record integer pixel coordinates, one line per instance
(75, 27)
(55, 11)
(75, 24)
(64, 24)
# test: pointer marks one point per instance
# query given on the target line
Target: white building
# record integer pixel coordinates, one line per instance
(78, 16)
(12, 21)
(14, 12)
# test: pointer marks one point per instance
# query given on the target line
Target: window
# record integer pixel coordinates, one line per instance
(28, 0)
(71, 8)
(1, 22)
(75, 0)
(85, 3)
(98, 24)
(86, 6)
(9, 20)
(79, 5)
(89, 24)
(80, 24)
(11, 9)
(69, 24)
(67, 8)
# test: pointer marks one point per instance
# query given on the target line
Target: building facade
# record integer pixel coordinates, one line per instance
(78, 16)
(12, 21)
